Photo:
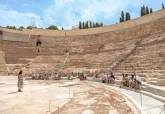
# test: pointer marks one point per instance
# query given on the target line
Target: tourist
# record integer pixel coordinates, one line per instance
(112, 75)
(132, 81)
(125, 80)
(20, 81)
(104, 78)
(108, 78)
(112, 78)
(138, 82)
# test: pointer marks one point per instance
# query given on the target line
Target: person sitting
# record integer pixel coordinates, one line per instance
(132, 81)
(104, 78)
(108, 78)
(125, 80)
(138, 82)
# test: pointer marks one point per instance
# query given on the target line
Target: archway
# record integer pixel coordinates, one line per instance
(38, 45)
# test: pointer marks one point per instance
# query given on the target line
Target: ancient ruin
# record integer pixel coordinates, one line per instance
(136, 46)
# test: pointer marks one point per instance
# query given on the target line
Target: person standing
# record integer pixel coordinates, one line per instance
(20, 81)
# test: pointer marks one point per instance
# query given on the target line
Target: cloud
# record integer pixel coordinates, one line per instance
(69, 12)
(15, 18)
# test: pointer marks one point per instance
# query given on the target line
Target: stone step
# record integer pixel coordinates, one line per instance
(157, 90)
(158, 97)
(159, 82)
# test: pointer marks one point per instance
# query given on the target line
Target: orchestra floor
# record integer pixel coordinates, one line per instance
(60, 97)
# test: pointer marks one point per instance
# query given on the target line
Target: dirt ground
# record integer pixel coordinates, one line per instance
(59, 97)
(90, 99)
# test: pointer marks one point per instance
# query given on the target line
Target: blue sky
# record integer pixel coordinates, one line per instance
(68, 13)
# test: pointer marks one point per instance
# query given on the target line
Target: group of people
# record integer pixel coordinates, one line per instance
(56, 75)
(108, 78)
(82, 76)
(132, 81)
(45, 76)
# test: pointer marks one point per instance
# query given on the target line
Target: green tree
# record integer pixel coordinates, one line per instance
(21, 28)
(163, 6)
(151, 10)
(29, 27)
(147, 10)
(52, 27)
(101, 24)
(80, 27)
(128, 16)
(11, 27)
(120, 20)
(90, 24)
(62, 28)
(83, 25)
(86, 25)
(93, 25)
(97, 24)
(122, 16)
(143, 10)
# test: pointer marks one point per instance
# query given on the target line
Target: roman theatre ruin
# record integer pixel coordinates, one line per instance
(135, 46)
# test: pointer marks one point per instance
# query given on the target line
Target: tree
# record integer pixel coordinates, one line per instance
(143, 10)
(11, 27)
(97, 24)
(83, 25)
(147, 10)
(52, 27)
(128, 16)
(21, 28)
(80, 27)
(90, 24)
(122, 16)
(29, 27)
(101, 24)
(86, 25)
(163, 6)
(62, 28)
(94, 25)
(151, 10)
(120, 20)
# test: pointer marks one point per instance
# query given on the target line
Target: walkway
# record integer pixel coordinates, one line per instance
(147, 104)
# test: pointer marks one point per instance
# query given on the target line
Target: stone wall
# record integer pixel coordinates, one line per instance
(15, 37)
(3, 69)
(19, 47)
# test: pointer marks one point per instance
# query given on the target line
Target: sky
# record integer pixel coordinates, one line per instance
(68, 13)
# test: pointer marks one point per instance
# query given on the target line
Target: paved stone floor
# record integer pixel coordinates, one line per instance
(147, 104)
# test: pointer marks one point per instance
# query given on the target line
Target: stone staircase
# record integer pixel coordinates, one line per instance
(147, 60)
(123, 58)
